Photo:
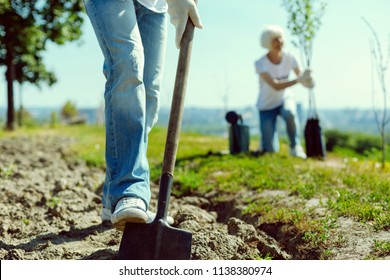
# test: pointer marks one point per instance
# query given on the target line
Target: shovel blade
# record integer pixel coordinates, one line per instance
(155, 241)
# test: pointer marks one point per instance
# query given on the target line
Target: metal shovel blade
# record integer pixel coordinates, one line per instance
(157, 240)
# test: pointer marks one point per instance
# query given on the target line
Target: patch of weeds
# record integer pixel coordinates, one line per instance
(188, 180)
(370, 258)
(256, 207)
(319, 231)
(229, 186)
(338, 241)
(352, 203)
(327, 254)
(8, 171)
(94, 159)
(271, 210)
(315, 238)
(267, 257)
(382, 247)
(368, 213)
(329, 222)
(341, 239)
(307, 191)
(53, 202)
(382, 222)
(25, 221)
(285, 216)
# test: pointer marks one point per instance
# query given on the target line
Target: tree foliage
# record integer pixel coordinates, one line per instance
(26, 26)
(304, 21)
(69, 110)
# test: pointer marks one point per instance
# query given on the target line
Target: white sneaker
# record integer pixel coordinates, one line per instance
(298, 151)
(129, 210)
(106, 217)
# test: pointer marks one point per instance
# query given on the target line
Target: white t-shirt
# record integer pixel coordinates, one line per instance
(158, 6)
(269, 98)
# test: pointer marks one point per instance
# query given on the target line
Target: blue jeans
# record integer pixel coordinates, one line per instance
(132, 39)
(269, 134)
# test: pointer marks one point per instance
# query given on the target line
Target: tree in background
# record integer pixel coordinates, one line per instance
(33, 73)
(25, 28)
(69, 110)
(224, 88)
(380, 66)
(304, 21)
(26, 116)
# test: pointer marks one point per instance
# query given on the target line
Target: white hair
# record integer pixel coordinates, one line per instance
(270, 32)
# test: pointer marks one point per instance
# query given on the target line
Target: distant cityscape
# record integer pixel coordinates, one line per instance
(212, 121)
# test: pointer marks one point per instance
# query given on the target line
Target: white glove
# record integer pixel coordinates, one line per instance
(308, 83)
(179, 10)
(305, 77)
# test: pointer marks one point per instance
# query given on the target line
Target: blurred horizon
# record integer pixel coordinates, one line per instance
(229, 43)
(211, 121)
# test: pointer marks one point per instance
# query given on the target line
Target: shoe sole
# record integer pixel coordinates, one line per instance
(132, 215)
(106, 218)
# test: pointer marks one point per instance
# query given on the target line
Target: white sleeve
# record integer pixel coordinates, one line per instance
(260, 66)
(294, 63)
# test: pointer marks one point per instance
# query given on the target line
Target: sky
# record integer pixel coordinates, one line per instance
(222, 69)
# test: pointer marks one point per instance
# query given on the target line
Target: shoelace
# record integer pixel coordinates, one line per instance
(133, 202)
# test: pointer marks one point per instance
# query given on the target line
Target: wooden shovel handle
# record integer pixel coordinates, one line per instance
(175, 118)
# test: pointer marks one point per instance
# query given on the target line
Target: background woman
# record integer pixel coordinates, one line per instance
(274, 97)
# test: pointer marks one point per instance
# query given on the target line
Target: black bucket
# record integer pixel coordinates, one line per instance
(238, 134)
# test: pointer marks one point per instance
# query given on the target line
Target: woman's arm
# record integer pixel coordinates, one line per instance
(275, 84)
(297, 71)
(278, 85)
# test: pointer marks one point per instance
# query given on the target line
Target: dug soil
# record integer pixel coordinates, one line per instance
(50, 208)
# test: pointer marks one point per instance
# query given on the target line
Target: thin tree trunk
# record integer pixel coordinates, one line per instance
(10, 125)
(21, 109)
(383, 148)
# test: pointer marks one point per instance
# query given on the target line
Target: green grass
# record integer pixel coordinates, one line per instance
(360, 190)
(355, 187)
(382, 247)
(7, 171)
(90, 143)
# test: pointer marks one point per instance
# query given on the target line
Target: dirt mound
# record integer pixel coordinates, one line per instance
(50, 209)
